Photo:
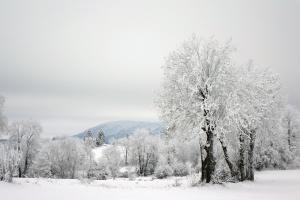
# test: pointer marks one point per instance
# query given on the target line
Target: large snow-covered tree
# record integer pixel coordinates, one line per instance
(257, 103)
(197, 85)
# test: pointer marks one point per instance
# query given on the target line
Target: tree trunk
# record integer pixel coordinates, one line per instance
(227, 159)
(126, 157)
(289, 135)
(140, 166)
(25, 166)
(202, 160)
(19, 172)
(242, 157)
(209, 163)
(250, 175)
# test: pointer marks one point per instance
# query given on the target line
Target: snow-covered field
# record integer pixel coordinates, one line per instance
(268, 185)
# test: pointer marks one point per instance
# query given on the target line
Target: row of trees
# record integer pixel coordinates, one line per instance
(140, 154)
(94, 141)
(206, 94)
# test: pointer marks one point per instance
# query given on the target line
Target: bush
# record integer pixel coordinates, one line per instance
(163, 171)
(180, 169)
(194, 180)
(98, 172)
(123, 175)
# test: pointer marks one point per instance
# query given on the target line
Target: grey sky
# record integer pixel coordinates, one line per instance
(73, 64)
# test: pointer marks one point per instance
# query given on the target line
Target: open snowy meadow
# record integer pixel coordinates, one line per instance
(268, 185)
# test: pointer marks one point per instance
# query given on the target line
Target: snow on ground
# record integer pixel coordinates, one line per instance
(268, 185)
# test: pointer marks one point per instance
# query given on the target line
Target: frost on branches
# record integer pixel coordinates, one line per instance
(205, 93)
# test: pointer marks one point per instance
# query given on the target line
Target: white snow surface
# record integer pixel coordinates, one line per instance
(268, 185)
(98, 151)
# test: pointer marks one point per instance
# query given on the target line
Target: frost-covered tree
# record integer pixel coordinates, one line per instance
(3, 121)
(144, 151)
(8, 162)
(89, 139)
(62, 158)
(112, 160)
(42, 163)
(196, 88)
(272, 151)
(291, 127)
(25, 135)
(257, 103)
(124, 143)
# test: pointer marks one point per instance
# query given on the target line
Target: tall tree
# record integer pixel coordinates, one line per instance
(258, 103)
(196, 89)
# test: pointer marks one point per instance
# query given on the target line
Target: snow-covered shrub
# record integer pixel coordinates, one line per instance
(194, 179)
(127, 172)
(295, 163)
(176, 183)
(273, 158)
(180, 169)
(272, 151)
(163, 171)
(123, 175)
(98, 172)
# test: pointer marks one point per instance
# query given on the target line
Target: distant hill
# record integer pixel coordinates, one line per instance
(119, 129)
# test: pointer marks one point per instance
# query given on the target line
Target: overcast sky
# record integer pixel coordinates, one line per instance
(73, 64)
